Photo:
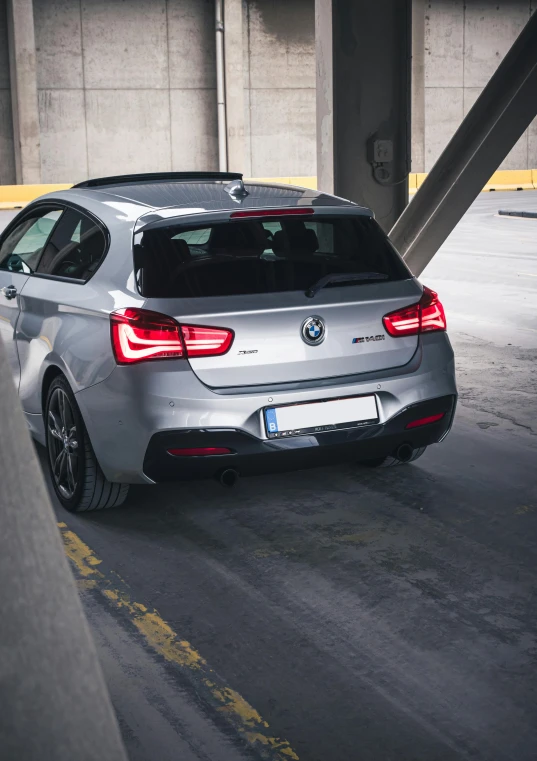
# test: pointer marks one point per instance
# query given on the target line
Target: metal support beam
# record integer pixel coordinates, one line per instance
(363, 101)
(502, 112)
(55, 704)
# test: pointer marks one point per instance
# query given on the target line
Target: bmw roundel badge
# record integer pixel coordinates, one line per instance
(313, 330)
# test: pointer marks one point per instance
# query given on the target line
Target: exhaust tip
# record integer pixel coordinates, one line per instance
(229, 477)
(404, 452)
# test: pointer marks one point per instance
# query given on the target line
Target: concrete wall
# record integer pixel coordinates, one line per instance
(464, 43)
(7, 152)
(129, 85)
(279, 69)
(125, 86)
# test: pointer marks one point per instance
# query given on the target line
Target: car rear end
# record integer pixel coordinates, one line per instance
(270, 339)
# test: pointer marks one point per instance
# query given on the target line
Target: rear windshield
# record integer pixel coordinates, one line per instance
(249, 256)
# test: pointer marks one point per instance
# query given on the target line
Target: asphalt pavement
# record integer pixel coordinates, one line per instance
(346, 614)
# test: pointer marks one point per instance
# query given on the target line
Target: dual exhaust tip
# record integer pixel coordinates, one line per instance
(230, 476)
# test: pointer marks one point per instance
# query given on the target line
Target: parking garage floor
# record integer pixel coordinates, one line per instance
(346, 614)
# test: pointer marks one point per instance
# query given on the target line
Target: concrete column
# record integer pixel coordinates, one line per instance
(325, 95)
(363, 102)
(22, 66)
(233, 51)
(418, 86)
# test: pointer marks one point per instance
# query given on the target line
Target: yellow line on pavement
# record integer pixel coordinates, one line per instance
(165, 641)
(79, 553)
(156, 631)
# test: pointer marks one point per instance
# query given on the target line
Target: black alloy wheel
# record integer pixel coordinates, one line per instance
(63, 440)
(78, 480)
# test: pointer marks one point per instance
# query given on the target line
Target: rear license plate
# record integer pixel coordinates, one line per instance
(316, 417)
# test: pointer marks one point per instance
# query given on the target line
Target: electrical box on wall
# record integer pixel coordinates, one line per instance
(382, 151)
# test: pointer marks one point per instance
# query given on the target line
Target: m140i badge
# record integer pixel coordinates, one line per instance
(366, 339)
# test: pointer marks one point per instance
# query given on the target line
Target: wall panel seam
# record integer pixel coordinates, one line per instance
(84, 92)
(169, 85)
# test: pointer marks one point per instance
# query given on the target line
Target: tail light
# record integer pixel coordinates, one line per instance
(295, 211)
(425, 316)
(199, 451)
(426, 420)
(206, 342)
(139, 335)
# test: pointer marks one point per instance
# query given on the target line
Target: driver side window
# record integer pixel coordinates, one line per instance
(22, 248)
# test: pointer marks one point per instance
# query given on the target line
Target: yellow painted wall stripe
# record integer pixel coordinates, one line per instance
(12, 196)
(164, 641)
(17, 196)
(302, 182)
(511, 180)
(503, 179)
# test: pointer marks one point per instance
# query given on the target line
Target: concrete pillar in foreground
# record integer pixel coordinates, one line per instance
(54, 701)
(418, 86)
(23, 74)
(233, 49)
(368, 82)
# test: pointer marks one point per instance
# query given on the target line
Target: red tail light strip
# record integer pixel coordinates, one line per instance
(139, 335)
(199, 452)
(206, 342)
(426, 420)
(433, 317)
(425, 316)
(295, 212)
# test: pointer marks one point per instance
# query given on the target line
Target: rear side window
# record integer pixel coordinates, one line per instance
(76, 248)
(250, 256)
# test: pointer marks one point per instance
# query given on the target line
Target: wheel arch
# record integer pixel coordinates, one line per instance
(52, 372)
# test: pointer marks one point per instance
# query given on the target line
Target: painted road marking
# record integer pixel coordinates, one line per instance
(161, 637)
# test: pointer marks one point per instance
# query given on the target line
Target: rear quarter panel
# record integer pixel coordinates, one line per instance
(66, 324)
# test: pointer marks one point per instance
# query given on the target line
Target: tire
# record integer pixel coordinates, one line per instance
(78, 481)
(389, 461)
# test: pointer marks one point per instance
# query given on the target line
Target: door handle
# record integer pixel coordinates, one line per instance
(9, 291)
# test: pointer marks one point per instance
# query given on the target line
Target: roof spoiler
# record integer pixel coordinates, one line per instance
(160, 177)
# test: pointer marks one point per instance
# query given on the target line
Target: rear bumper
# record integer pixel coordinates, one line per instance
(132, 415)
(252, 456)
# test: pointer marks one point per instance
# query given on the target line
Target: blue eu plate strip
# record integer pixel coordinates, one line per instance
(271, 421)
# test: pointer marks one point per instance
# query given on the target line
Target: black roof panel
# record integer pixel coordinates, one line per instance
(201, 190)
(206, 195)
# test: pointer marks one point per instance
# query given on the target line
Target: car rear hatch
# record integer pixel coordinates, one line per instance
(250, 275)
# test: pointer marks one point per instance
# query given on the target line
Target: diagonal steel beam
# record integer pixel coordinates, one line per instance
(500, 115)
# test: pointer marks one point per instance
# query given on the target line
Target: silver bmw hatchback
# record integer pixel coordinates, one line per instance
(176, 326)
